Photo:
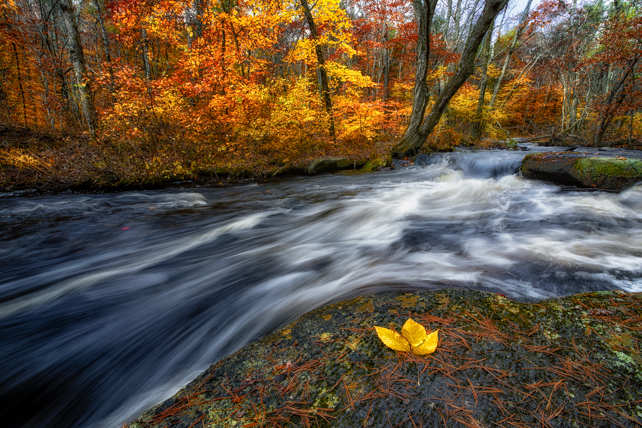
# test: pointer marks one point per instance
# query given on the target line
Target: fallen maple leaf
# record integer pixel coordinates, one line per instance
(413, 338)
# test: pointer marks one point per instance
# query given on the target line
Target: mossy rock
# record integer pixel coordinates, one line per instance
(375, 164)
(607, 173)
(566, 362)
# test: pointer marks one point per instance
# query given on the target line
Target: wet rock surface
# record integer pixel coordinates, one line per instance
(319, 166)
(606, 172)
(566, 362)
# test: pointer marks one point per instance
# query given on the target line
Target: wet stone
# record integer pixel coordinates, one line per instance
(319, 166)
(572, 361)
(605, 173)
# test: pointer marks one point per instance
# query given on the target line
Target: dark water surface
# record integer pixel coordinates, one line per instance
(110, 302)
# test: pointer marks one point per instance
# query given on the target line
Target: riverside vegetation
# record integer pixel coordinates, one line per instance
(122, 94)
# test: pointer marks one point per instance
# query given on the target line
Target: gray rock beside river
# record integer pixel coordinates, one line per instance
(573, 361)
(607, 173)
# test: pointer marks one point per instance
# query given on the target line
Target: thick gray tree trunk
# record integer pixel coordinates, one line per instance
(324, 88)
(419, 128)
(424, 13)
(77, 56)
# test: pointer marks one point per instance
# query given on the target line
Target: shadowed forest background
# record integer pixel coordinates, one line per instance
(100, 90)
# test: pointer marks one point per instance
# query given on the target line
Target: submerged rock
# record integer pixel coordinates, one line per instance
(319, 166)
(573, 361)
(608, 173)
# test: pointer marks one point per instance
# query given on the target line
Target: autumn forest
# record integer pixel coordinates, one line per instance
(110, 90)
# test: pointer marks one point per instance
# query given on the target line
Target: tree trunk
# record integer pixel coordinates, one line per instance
(22, 92)
(518, 32)
(386, 64)
(516, 81)
(631, 117)
(77, 56)
(194, 22)
(488, 55)
(103, 31)
(419, 129)
(49, 35)
(146, 64)
(423, 15)
(572, 112)
(564, 102)
(615, 98)
(323, 74)
(105, 40)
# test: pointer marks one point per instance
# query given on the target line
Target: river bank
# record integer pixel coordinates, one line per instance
(34, 164)
(570, 361)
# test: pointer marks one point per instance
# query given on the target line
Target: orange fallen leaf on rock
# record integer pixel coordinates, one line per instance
(413, 338)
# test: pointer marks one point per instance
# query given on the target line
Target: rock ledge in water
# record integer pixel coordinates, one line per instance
(607, 173)
(565, 362)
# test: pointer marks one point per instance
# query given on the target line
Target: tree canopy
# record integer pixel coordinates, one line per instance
(275, 82)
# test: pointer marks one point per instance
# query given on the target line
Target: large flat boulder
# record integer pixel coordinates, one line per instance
(573, 361)
(607, 173)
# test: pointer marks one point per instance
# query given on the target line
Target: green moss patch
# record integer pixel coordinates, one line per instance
(592, 167)
(608, 173)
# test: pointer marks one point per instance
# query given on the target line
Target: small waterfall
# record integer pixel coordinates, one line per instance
(483, 164)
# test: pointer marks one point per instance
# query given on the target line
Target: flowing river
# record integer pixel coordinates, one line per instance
(109, 303)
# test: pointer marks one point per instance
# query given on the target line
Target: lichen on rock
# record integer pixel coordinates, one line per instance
(608, 173)
(573, 361)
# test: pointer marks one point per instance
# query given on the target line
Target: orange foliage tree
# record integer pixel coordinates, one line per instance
(189, 84)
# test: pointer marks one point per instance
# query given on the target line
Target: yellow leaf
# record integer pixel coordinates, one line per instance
(429, 345)
(414, 338)
(392, 339)
(414, 332)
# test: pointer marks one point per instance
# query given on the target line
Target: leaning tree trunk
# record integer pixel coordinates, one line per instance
(488, 56)
(513, 45)
(419, 129)
(77, 56)
(323, 74)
